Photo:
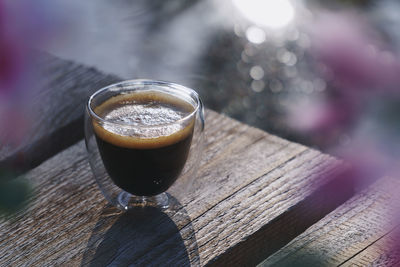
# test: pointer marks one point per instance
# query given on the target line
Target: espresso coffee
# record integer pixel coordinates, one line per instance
(144, 140)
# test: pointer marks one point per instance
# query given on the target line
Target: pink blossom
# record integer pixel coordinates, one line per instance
(361, 67)
(24, 26)
(354, 52)
(323, 116)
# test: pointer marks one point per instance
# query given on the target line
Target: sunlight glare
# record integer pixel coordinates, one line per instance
(269, 13)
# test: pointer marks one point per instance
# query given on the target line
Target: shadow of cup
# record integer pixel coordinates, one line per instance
(143, 237)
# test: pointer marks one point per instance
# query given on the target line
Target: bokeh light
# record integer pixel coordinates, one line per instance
(255, 35)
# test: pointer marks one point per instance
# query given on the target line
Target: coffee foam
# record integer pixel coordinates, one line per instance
(143, 120)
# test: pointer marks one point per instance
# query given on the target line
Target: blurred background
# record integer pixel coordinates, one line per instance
(297, 69)
(322, 73)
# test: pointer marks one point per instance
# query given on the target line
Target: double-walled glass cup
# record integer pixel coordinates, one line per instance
(143, 136)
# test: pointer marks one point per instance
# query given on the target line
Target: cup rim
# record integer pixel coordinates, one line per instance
(121, 84)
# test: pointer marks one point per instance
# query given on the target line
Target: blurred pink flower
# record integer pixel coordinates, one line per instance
(354, 52)
(358, 66)
(24, 26)
(11, 65)
(322, 116)
(10, 57)
(13, 72)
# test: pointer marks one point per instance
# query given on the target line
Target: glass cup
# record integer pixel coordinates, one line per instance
(143, 136)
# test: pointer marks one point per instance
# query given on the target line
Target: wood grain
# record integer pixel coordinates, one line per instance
(58, 106)
(361, 232)
(252, 195)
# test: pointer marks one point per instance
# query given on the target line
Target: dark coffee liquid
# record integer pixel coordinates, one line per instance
(144, 162)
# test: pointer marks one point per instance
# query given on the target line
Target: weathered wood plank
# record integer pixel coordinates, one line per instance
(251, 188)
(358, 233)
(382, 252)
(59, 103)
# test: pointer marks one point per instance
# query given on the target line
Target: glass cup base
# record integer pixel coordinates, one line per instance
(128, 201)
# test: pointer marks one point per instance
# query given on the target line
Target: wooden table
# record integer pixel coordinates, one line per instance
(257, 199)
